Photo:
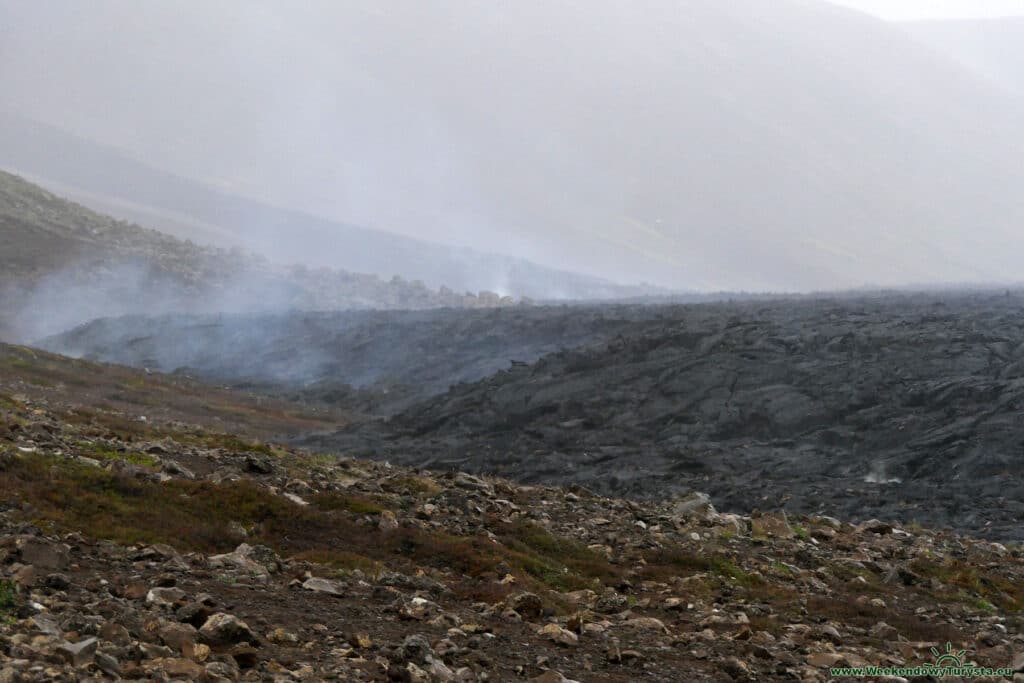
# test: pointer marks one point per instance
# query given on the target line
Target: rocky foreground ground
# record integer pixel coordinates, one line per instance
(166, 549)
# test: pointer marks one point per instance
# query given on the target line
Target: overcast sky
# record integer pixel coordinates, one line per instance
(937, 9)
(705, 144)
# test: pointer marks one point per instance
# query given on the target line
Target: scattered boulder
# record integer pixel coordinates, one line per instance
(473, 483)
(611, 602)
(179, 637)
(694, 504)
(646, 623)
(551, 677)
(57, 581)
(80, 653)
(825, 659)
(41, 553)
(320, 585)
(528, 605)
(771, 525)
(415, 649)
(184, 668)
(225, 629)
(165, 597)
(420, 583)
(831, 634)
(255, 560)
(259, 464)
(559, 635)
(736, 667)
(115, 633)
(874, 526)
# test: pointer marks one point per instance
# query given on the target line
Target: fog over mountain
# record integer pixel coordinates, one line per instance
(924, 10)
(131, 190)
(727, 144)
(993, 48)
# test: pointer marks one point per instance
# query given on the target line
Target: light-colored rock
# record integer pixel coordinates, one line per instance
(580, 597)
(551, 677)
(559, 635)
(251, 559)
(108, 664)
(694, 504)
(226, 629)
(321, 585)
(80, 653)
(646, 623)
(473, 483)
(825, 659)
(281, 636)
(183, 667)
(297, 499)
(771, 525)
(831, 634)
(164, 597)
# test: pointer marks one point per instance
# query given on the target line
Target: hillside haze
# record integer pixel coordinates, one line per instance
(993, 48)
(182, 207)
(552, 341)
(62, 265)
(729, 145)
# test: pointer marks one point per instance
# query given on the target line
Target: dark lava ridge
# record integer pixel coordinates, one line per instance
(906, 408)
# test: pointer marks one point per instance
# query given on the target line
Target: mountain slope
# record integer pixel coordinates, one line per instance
(112, 182)
(993, 48)
(715, 145)
(62, 264)
(77, 391)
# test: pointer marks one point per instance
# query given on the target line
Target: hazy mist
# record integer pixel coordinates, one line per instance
(916, 10)
(992, 48)
(725, 144)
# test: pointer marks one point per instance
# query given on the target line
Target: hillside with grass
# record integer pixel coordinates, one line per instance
(62, 264)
